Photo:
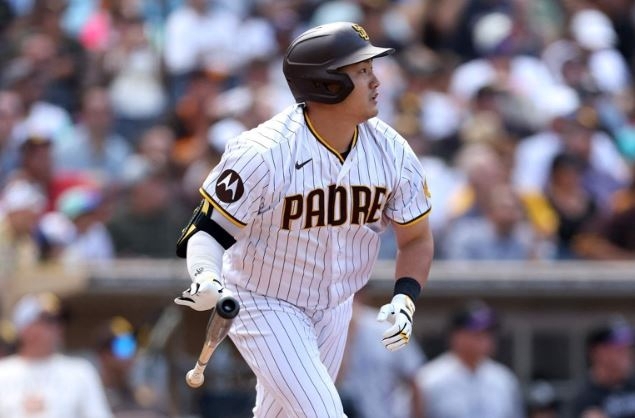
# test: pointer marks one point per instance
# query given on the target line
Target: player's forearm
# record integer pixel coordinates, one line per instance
(414, 259)
(204, 255)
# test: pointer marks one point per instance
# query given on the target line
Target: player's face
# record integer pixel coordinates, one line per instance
(362, 102)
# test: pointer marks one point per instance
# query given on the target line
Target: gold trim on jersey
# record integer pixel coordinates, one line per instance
(326, 144)
(415, 220)
(222, 211)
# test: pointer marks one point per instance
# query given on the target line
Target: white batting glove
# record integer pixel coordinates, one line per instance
(398, 312)
(203, 294)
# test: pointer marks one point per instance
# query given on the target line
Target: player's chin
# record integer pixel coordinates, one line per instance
(373, 111)
(366, 114)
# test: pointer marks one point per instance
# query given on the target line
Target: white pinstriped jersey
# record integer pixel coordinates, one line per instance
(306, 220)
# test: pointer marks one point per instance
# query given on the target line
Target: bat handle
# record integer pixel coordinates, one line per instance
(195, 377)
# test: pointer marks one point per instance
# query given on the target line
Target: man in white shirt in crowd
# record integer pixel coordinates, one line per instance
(465, 382)
(40, 381)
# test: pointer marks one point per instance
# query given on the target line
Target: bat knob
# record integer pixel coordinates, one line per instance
(227, 307)
(194, 379)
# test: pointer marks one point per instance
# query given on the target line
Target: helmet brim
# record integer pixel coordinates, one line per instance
(363, 54)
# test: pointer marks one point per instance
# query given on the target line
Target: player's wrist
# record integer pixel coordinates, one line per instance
(407, 286)
(206, 277)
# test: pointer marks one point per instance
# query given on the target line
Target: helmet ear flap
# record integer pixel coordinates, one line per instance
(329, 90)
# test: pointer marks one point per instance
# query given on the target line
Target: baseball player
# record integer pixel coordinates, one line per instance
(290, 220)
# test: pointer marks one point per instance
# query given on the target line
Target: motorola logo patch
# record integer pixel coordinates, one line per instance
(229, 186)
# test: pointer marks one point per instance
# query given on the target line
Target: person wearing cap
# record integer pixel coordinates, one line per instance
(83, 206)
(21, 204)
(465, 381)
(119, 363)
(38, 380)
(609, 389)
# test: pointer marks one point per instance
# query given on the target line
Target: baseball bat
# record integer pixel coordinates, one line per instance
(218, 326)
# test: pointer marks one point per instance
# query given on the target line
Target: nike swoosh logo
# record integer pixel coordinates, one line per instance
(299, 166)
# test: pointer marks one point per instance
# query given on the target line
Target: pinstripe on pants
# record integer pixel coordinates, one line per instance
(295, 354)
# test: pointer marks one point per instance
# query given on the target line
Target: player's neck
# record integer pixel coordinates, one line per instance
(329, 124)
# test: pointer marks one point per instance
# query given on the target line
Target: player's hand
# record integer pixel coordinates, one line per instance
(203, 294)
(399, 312)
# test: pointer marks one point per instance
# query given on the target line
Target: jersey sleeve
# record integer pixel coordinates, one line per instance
(410, 201)
(235, 187)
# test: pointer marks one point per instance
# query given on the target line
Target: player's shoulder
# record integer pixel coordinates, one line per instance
(382, 132)
(387, 141)
(271, 133)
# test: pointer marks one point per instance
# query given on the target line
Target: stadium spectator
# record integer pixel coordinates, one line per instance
(190, 118)
(147, 219)
(62, 55)
(91, 240)
(481, 169)
(133, 63)
(7, 338)
(438, 114)
(501, 63)
(41, 118)
(573, 130)
(21, 204)
(156, 145)
(465, 381)
(10, 115)
(54, 233)
(595, 34)
(37, 167)
(613, 237)
(609, 389)
(39, 380)
(189, 49)
(577, 212)
(92, 146)
(500, 232)
(117, 349)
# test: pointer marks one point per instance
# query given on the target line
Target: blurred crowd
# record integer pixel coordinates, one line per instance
(112, 112)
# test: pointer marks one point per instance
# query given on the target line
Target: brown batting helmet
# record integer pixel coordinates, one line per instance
(312, 61)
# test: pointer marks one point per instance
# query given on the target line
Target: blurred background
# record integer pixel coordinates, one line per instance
(112, 112)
